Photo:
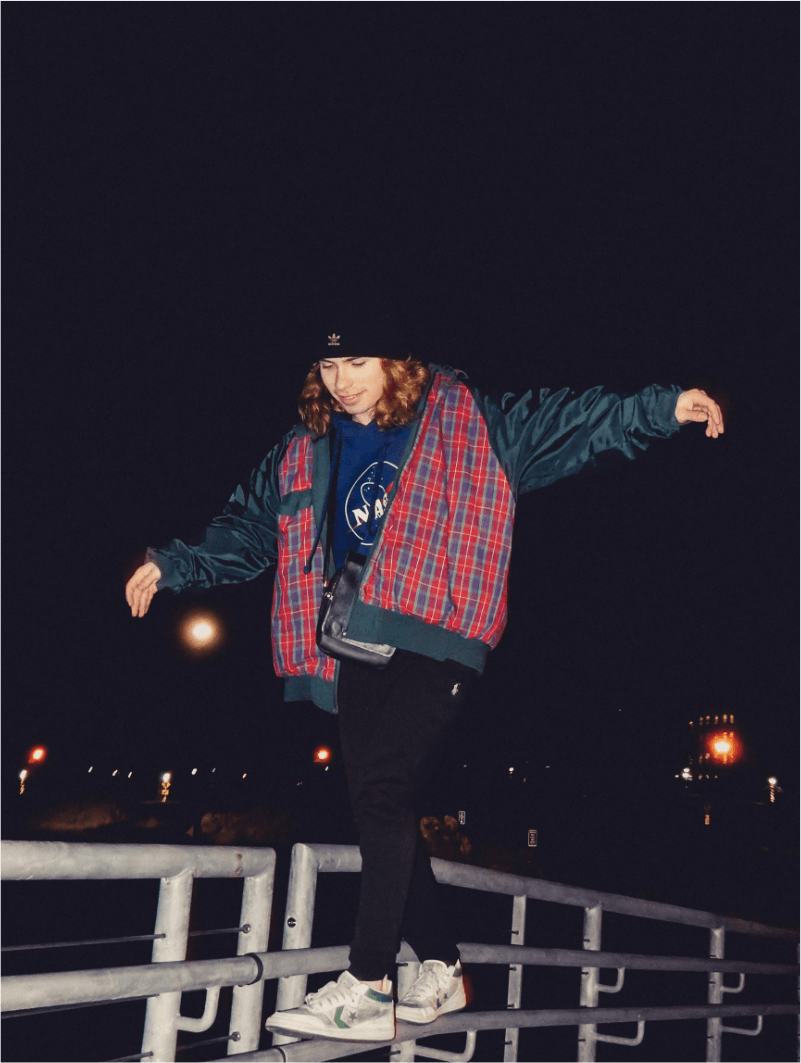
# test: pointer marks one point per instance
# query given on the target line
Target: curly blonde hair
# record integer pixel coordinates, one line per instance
(404, 385)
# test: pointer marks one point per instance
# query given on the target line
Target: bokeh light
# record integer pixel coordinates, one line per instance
(201, 632)
(724, 747)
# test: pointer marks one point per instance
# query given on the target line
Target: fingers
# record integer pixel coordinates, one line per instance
(141, 587)
(145, 598)
(696, 405)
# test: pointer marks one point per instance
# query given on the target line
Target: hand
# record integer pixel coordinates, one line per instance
(141, 587)
(696, 405)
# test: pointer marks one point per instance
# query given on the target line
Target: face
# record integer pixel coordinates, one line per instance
(356, 383)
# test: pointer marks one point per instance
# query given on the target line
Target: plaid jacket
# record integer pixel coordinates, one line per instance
(436, 577)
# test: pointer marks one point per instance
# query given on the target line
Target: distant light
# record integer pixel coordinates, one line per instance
(115, 771)
(166, 776)
(772, 780)
(194, 771)
(24, 773)
(213, 769)
(725, 746)
(200, 632)
(130, 773)
(511, 770)
(322, 754)
(245, 775)
(36, 755)
(91, 769)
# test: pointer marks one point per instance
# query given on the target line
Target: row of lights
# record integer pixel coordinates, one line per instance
(728, 717)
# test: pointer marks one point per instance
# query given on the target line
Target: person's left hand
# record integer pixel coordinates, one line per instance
(696, 405)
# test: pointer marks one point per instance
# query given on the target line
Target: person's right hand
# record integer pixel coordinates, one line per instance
(141, 587)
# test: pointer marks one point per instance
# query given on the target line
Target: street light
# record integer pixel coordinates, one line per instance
(201, 632)
(723, 747)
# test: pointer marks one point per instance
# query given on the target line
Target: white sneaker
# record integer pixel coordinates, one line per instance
(437, 990)
(348, 1010)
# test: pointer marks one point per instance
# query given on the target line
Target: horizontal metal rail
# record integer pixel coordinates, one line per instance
(120, 983)
(166, 979)
(122, 940)
(51, 861)
(87, 941)
(319, 1049)
(176, 867)
(23, 861)
(467, 876)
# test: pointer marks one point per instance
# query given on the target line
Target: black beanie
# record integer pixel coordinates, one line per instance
(373, 335)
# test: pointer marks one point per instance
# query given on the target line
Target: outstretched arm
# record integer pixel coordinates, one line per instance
(544, 436)
(696, 405)
(236, 546)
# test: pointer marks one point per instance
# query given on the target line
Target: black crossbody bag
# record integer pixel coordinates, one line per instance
(339, 597)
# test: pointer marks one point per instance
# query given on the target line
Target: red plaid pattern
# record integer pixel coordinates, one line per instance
(296, 596)
(443, 553)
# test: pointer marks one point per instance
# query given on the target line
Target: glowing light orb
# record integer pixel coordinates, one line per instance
(201, 632)
(37, 755)
(724, 747)
(772, 780)
(322, 754)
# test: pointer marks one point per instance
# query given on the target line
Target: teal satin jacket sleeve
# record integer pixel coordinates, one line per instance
(236, 546)
(544, 437)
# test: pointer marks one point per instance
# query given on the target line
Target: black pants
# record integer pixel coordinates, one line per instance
(390, 722)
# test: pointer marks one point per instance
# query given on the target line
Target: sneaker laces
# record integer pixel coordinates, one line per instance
(426, 984)
(334, 992)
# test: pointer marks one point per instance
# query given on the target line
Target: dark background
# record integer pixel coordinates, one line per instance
(551, 194)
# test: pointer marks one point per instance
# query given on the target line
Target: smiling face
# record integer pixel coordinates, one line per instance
(355, 383)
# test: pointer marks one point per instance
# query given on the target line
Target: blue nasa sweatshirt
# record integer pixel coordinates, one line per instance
(366, 461)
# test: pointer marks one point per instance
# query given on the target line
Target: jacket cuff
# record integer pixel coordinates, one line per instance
(170, 579)
(664, 415)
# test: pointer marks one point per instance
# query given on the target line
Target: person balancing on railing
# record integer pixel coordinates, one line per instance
(396, 497)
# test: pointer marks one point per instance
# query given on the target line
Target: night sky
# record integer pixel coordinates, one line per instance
(550, 195)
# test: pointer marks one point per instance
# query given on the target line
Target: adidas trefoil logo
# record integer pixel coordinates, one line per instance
(333, 341)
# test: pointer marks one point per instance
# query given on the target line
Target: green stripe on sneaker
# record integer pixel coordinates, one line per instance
(338, 1019)
(373, 994)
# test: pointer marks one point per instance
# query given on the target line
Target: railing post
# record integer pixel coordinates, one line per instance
(714, 1033)
(514, 994)
(589, 984)
(172, 920)
(297, 927)
(246, 1008)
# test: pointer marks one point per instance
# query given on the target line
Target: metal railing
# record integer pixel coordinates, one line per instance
(177, 866)
(165, 980)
